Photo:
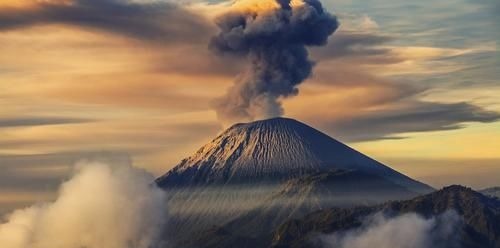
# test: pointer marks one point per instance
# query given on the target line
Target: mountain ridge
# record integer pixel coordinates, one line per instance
(480, 218)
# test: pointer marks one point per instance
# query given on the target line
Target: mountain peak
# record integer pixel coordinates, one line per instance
(275, 149)
(456, 188)
(270, 121)
(454, 192)
(276, 123)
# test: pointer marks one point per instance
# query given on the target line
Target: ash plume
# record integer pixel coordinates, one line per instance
(272, 36)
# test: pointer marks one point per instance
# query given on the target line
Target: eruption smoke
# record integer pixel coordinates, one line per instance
(272, 35)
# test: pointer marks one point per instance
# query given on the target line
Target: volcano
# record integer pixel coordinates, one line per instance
(255, 176)
(275, 150)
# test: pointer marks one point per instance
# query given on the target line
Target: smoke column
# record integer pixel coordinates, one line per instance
(272, 36)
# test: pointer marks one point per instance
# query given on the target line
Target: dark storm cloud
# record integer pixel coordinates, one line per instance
(38, 121)
(417, 117)
(164, 22)
(273, 41)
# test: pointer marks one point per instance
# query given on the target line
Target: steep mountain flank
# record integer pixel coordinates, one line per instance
(274, 150)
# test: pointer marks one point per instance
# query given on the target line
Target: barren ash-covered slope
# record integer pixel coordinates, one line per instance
(274, 150)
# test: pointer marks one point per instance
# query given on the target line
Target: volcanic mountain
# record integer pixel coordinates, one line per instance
(255, 176)
(271, 151)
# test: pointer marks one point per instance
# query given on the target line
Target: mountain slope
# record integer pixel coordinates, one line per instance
(271, 151)
(480, 218)
(260, 174)
(297, 198)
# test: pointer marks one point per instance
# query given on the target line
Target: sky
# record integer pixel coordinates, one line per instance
(413, 84)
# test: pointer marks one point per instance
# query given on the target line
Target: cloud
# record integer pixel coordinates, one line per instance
(45, 172)
(149, 134)
(180, 61)
(405, 231)
(418, 116)
(272, 36)
(351, 97)
(368, 47)
(102, 205)
(158, 21)
(155, 141)
(38, 121)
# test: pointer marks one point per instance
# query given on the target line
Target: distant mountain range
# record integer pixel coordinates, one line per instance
(252, 179)
(479, 215)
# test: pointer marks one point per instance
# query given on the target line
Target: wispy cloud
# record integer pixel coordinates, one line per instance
(38, 121)
(165, 22)
(417, 117)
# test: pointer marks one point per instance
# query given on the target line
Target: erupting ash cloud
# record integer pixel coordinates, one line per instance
(272, 35)
(102, 206)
